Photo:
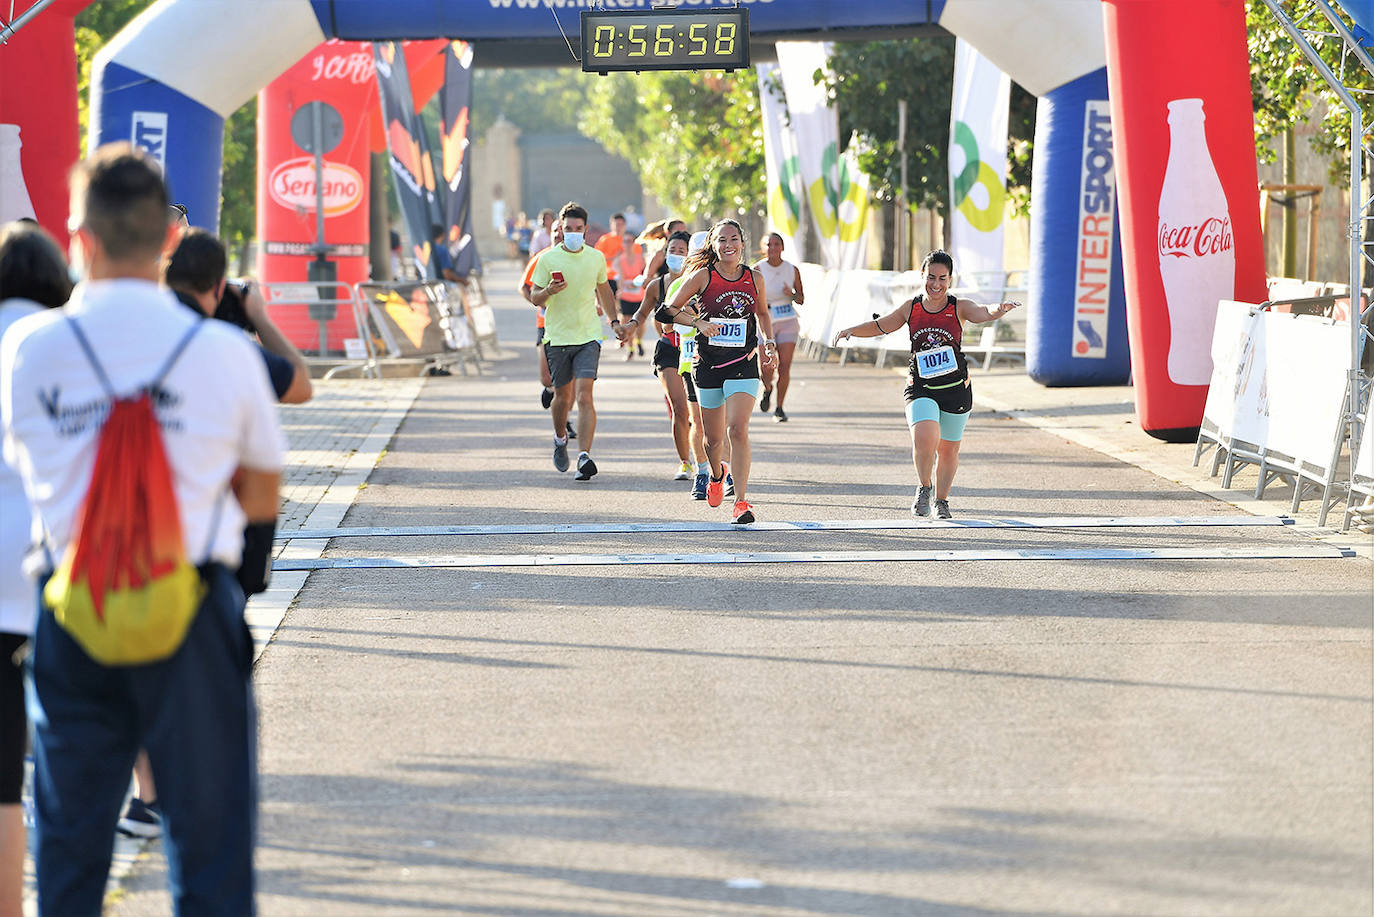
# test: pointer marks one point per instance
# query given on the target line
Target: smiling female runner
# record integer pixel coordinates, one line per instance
(939, 393)
(735, 329)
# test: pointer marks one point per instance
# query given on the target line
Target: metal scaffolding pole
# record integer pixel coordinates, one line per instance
(8, 31)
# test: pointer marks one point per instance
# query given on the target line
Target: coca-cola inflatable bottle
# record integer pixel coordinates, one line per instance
(14, 194)
(1197, 258)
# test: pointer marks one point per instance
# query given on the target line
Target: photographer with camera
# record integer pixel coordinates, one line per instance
(194, 271)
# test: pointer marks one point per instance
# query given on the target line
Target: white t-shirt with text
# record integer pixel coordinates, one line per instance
(216, 407)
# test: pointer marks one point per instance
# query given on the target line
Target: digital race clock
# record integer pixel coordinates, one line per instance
(665, 40)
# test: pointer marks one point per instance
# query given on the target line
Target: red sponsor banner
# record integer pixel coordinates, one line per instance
(340, 74)
(1178, 72)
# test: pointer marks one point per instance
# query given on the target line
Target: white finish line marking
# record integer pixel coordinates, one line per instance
(1300, 549)
(837, 525)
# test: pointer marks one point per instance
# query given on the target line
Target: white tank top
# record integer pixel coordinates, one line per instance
(773, 280)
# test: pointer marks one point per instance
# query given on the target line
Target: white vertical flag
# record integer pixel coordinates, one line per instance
(835, 189)
(977, 163)
(785, 189)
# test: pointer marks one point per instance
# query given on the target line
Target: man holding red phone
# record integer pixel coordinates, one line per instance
(569, 282)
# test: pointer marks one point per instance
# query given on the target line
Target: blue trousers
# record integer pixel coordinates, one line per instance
(194, 715)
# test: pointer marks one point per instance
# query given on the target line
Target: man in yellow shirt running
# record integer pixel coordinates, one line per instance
(569, 282)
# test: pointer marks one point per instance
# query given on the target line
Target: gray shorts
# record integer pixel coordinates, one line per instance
(572, 361)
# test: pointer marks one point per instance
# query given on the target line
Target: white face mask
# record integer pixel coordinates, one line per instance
(572, 241)
(675, 262)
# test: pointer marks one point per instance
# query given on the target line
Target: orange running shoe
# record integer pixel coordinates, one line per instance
(744, 513)
(715, 488)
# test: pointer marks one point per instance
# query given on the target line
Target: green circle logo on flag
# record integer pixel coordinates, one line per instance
(839, 202)
(975, 173)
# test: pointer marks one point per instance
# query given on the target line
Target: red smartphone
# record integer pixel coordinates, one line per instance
(557, 275)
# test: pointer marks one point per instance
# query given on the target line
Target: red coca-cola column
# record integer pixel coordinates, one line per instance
(340, 74)
(38, 95)
(1178, 74)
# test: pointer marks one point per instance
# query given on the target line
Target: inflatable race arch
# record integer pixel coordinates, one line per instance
(1177, 83)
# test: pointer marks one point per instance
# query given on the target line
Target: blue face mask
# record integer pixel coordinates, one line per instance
(572, 241)
(675, 262)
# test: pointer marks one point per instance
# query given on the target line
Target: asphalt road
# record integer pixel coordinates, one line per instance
(1049, 736)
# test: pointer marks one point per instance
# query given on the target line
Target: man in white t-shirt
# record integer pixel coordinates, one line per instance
(193, 711)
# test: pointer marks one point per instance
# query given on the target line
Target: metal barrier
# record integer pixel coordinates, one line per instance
(415, 323)
(323, 310)
(470, 298)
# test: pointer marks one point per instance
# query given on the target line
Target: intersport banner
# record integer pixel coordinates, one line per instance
(977, 164)
(836, 191)
(412, 168)
(455, 103)
(1184, 123)
(785, 190)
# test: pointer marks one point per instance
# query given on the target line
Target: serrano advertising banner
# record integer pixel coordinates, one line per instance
(836, 191)
(412, 168)
(977, 164)
(341, 75)
(1184, 125)
(785, 190)
(455, 102)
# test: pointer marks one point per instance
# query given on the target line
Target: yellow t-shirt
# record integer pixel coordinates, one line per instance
(570, 317)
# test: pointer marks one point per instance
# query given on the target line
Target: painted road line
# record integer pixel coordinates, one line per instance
(836, 525)
(1298, 550)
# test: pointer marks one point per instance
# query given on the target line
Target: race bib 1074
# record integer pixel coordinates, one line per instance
(937, 362)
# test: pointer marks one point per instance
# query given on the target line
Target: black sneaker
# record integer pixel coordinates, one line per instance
(140, 819)
(780, 416)
(921, 507)
(699, 485)
(560, 456)
(572, 433)
(546, 398)
(942, 510)
(766, 400)
(729, 484)
(585, 468)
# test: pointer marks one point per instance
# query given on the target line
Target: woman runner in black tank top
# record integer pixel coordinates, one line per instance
(939, 394)
(735, 332)
(666, 358)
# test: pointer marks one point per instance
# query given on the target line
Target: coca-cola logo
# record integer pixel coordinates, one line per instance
(292, 185)
(358, 68)
(1210, 237)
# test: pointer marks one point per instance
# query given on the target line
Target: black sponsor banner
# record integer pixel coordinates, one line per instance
(411, 167)
(455, 101)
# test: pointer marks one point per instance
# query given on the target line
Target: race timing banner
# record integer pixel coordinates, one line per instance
(977, 164)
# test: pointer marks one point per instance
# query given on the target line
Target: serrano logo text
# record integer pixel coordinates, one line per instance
(292, 185)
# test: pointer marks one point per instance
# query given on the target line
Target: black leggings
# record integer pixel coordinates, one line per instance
(14, 721)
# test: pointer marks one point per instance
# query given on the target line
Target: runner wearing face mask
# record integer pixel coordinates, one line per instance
(939, 394)
(678, 389)
(569, 282)
(735, 331)
(687, 342)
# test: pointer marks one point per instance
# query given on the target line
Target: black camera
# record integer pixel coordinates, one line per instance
(230, 308)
